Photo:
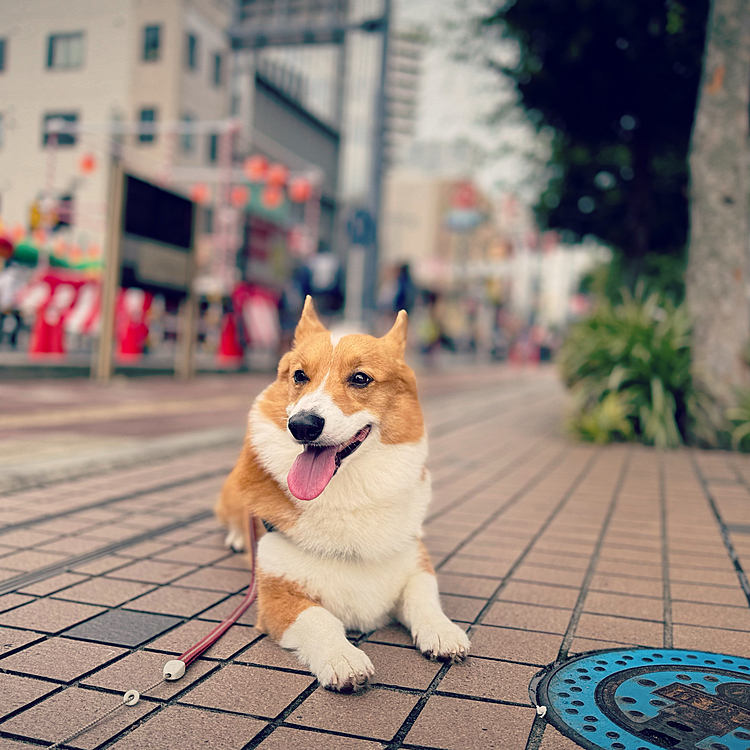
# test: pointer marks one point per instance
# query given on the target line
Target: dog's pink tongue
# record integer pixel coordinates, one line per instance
(311, 472)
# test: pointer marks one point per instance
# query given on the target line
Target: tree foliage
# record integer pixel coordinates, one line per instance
(618, 83)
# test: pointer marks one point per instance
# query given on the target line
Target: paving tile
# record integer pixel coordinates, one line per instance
(248, 690)
(61, 659)
(222, 610)
(144, 549)
(6, 744)
(528, 617)
(175, 600)
(711, 639)
(692, 592)
(396, 634)
(18, 692)
(611, 582)
(217, 579)
(179, 640)
(71, 545)
(400, 667)
(553, 740)
(636, 570)
(266, 653)
(51, 585)
(48, 615)
(104, 591)
(11, 601)
(537, 593)
(375, 713)
(549, 575)
(26, 538)
(625, 630)
(472, 566)
(140, 669)
(581, 645)
(711, 615)
(63, 713)
(151, 571)
(102, 565)
(29, 559)
(11, 640)
(192, 555)
(192, 729)
(515, 645)
(289, 738)
(617, 604)
(452, 583)
(123, 628)
(461, 608)
(486, 678)
(457, 724)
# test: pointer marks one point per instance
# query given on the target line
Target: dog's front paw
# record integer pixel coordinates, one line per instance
(234, 540)
(346, 671)
(443, 641)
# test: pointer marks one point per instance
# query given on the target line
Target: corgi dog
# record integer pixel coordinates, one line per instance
(333, 471)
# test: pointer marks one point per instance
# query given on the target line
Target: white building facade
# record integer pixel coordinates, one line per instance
(104, 68)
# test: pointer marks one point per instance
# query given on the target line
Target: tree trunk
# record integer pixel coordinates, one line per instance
(718, 264)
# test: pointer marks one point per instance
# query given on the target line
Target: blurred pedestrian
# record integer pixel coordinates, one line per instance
(12, 280)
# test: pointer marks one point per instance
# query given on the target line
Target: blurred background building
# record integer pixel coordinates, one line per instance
(301, 147)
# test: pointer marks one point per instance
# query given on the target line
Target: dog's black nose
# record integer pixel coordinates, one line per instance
(306, 426)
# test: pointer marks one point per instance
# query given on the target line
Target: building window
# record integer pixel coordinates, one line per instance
(3, 47)
(65, 51)
(148, 119)
(187, 139)
(63, 139)
(192, 52)
(213, 147)
(218, 69)
(151, 36)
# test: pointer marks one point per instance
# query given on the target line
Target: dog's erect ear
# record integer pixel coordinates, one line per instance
(396, 337)
(285, 363)
(309, 322)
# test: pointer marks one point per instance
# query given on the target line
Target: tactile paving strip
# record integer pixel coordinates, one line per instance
(647, 699)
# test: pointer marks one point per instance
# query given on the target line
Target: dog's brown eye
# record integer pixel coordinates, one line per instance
(360, 380)
(300, 377)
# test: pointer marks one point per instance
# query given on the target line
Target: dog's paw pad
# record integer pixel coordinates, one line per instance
(346, 672)
(443, 642)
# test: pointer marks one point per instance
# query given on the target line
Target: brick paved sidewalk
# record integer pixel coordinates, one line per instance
(544, 548)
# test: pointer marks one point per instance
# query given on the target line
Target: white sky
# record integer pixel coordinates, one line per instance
(458, 99)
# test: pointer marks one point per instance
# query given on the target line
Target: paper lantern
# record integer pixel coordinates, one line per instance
(255, 168)
(272, 197)
(199, 193)
(278, 174)
(87, 164)
(239, 196)
(300, 190)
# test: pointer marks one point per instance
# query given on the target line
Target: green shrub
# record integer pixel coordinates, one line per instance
(629, 367)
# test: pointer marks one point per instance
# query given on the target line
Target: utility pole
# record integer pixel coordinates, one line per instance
(111, 273)
(378, 153)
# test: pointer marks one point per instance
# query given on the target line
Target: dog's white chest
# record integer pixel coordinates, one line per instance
(361, 594)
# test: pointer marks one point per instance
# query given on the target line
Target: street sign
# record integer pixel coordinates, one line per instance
(361, 228)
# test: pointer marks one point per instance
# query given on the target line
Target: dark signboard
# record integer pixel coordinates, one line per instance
(157, 239)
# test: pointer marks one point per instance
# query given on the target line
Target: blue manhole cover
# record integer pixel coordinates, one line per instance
(646, 699)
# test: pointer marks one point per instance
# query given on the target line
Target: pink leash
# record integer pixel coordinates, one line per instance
(174, 669)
